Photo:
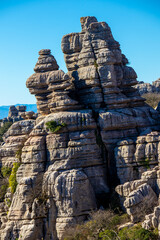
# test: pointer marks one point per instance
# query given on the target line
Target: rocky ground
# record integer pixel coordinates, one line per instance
(94, 132)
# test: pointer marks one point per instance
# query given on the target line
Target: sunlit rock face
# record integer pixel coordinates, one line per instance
(102, 131)
(50, 86)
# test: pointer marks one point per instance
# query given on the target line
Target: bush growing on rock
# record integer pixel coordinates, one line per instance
(6, 171)
(54, 127)
(3, 190)
(19, 154)
(137, 232)
(12, 178)
(4, 129)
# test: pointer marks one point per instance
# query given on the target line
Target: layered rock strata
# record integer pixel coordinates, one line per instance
(100, 134)
(50, 86)
(141, 199)
(104, 83)
(14, 139)
(134, 158)
(144, 88)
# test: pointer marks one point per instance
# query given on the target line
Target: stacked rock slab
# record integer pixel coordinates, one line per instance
(50, 85)
(141, 198)
(97, 117)
(10, 151)
(134, 158)
(104, 83)
(99, 68)
(14, 140)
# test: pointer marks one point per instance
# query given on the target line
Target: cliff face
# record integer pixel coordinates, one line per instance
(90, 135)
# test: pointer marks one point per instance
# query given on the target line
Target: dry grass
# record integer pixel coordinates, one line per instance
(98, 222)
(103, 225)
(152, 99)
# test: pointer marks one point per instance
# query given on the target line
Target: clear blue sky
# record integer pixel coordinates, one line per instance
(28, 26)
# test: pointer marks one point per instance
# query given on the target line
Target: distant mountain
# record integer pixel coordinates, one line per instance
(5, 109)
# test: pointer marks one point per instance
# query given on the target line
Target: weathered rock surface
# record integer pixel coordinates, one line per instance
(141, 198)
(148, 87)
(104, 134)
(14, 139)
(135, 157)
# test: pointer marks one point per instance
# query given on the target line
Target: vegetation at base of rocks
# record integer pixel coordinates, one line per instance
(19, 154)
(8, 202)
(152, 99)
(54, 127)
(3, 191)
(98, 222)
(12, 178)
(4, 129)
(137, 232)
(103, 225)
(6, 171)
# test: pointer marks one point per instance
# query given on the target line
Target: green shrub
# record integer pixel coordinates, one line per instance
(137, 232)
(4, 129)
(103, 225)
(6, 171)
(3, 190)
(54, 127)
(8, 202)
(107, 234)
(99, 222)
(19, 154)
(12, 178)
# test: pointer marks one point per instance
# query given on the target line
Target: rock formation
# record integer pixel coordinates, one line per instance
(94, 131)
(157, 84)
(18, 113)
(144, 88)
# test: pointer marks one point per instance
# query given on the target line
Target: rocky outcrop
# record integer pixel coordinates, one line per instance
(157, 84)
(93, 131)
(135, 157)
(144, 88)
(50, 86)
(14, 139)
(18, 113)
(140, 197)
